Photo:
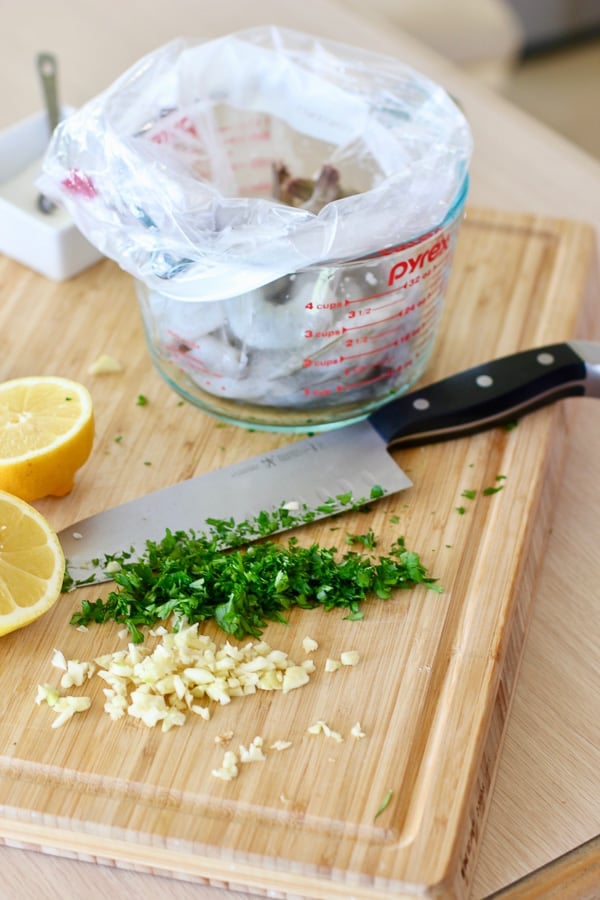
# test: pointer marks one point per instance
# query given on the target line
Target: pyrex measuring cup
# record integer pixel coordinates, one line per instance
(318, 348)
(288, 207)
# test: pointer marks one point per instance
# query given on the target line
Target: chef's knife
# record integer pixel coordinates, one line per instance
(306, 473)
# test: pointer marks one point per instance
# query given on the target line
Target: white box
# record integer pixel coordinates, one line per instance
(50, 244)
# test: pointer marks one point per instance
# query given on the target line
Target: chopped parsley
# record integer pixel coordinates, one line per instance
(192, 578)
(472, 494)
(367, 540)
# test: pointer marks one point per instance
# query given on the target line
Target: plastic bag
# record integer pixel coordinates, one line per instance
(170, 170)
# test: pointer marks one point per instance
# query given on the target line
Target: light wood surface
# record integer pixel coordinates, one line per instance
(576, 873)
(546, 796)
(437, 674)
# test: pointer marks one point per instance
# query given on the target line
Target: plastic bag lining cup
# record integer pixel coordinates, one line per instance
(259, 308)
(321, 347)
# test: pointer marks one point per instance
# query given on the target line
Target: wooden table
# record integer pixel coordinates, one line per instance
(547, 796)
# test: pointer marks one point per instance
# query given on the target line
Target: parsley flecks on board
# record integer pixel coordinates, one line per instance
(191, 577)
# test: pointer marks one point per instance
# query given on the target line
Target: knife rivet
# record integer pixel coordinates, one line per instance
(421, 403)
(545, 359)
(484, 381)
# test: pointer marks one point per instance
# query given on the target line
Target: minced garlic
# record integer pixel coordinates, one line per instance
(105, 365)
(64, 706)
(321, 727)
(332, 665)
(228, 770)
(252, 753)
(184, 673)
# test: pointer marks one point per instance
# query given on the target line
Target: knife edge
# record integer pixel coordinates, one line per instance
(305, 475)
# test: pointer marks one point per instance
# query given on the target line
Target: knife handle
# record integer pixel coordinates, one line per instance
(490, 394)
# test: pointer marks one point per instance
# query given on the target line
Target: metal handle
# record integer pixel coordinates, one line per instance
(48, 71)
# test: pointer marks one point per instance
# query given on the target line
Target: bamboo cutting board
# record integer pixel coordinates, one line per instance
(433, 687)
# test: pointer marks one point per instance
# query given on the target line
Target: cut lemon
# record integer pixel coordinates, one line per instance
(46, 434)
(32, 564)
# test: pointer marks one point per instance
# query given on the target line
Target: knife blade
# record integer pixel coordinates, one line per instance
(351, 459)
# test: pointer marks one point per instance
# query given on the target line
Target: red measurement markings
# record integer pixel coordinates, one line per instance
(252, 130)
(331, 332)
(254, 121)
(322, 363)
(370, 324)
(368, 297)
(340, 388)
(263, 135)
(257, 162)
(344, 358)
(367, 338)
(382, 377)
(181, 350)
(183, 125)
(402, 339)
(371, 352)
(434, 270)
(388, 361)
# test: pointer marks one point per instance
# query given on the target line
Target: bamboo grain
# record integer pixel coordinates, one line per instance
(437, 673)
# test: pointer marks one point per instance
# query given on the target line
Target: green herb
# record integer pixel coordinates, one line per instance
(384, 803)
(118, 438)
(460, 510)
(394, 519)
(190, 577)
(492, 490)
(469, 494)
(508, 426)
(147, 462)
(355, 616)
(367, 540)
(141, 400)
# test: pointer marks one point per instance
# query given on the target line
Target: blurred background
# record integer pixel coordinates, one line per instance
(542, 55)
(558, 77)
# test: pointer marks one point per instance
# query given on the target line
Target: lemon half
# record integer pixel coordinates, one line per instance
(32, 564)
(46, 435)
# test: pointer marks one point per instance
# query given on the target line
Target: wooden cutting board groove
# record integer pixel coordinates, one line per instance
(437, 673)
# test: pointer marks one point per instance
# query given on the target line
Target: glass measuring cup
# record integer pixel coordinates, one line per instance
(319, 348)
